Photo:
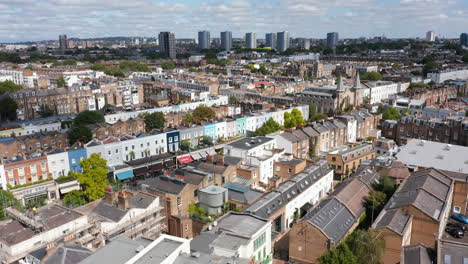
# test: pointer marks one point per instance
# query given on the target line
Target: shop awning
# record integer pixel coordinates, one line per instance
(140, 171)
(69, 188)
(203, 154)
(169, 164)
(196, 156)
(125, 175)
(185, 159)
(155, 167)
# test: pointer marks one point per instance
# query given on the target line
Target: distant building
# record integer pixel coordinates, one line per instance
(464, 39)
(167, 44)
(282, 42)
(251, 40)
(226, 40)
(430, 36)
(304, 44)
(332, 39)
(204, 40)
(270, 40)
(63, 42)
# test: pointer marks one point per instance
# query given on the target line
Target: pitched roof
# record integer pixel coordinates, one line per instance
(395, 219)
(165, 184)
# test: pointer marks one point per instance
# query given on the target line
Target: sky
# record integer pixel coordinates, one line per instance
(33, 20)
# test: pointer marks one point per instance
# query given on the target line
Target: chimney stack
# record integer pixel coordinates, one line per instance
(109, 195)
(123, 200)
(209, 159)
(220, 160)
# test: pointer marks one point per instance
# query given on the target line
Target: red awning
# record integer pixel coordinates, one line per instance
(185, 159)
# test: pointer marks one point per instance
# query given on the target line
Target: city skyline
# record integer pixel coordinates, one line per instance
(352, 19)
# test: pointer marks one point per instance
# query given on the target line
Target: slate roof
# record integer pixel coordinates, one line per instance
(310, 132)
(395, 219)
(333, 218)
(289, 137)
(119, 250)
(417, 254)
(299, 134)
(427, 190)
(165, 184)
(68, 254)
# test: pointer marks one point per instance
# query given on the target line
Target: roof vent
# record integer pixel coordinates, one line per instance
(447, 147)
(440, 157)
(139, 248)
(195, 254)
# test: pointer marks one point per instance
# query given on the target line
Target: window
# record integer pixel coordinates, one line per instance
(260, 241)
(170, 140)
(176, 138)
(179, 201)
(333, 158)
(278, 168)
(289, 170)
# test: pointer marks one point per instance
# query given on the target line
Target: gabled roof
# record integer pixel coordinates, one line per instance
(394, 219)
(289, 137)
(309, 131)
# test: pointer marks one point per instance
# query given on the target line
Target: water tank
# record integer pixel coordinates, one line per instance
(213, 196)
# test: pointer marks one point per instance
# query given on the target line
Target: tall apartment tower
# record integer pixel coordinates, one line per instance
(430, 36)
(167, 44)
(332, 39)
(304, 44)
(270, 40)
(251, 40)
(204, 39)
(226, 40)
(464, 39)
(63, 42)
(282, 41)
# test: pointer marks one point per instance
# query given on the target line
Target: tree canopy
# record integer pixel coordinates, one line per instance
(75, 198)
(7, 200)
(187, 119)
(339, 255)
(61, 82)
(168, 65)
(45, 111)
(203, 112)
(154, 121)
(391, 113)
(372, 76)
(293, 119)
(80, 133)
(8, 108)
(88, 117)
(93, 179)
(268, 127)
(366, 246)
(9, 87)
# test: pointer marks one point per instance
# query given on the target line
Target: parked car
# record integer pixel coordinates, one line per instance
(459, 226)
(455, 232)
(460, 218)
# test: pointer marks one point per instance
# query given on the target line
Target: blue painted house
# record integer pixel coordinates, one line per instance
(240, 124)
(75, 155)
(210, 130)
(173, 140)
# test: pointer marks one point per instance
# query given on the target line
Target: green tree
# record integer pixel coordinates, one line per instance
(312, 111)
(61, 82)
(203, 112)
(7, 200)
(88, 117)
(375, 201)
(154, 121)
(385, 185)
(233, 100)
(80, 133)
(45, 111)
(391, 113)
(168, 65)
(372, 76)
(9, 87)
(297, 115)
(339, 255)
(268, 127)
(289, 121)
(75, 198)
(187, 119)
(366, 246)
(93, 180)
(8, 108)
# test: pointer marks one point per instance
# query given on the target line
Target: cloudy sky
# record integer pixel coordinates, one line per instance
(24, 20)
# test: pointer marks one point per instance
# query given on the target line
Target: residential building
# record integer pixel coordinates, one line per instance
(237, 235)
(384, 146)
(167, 44)
(251, 40)
(226, 40)
(442, 75)
(204, 40)
(464, 39)
(286, 167)
(282, 41)
(24, 170)
(347, 159)
(430, 36)
(428, 154)
(270, 40)
(27, 232)
(332, 39)
(58, 163)
(416, 213)
(294, 142)
(63, 43)
(328, 224)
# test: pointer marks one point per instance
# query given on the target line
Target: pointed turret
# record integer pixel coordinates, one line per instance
(357, 81)
(340, 87)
